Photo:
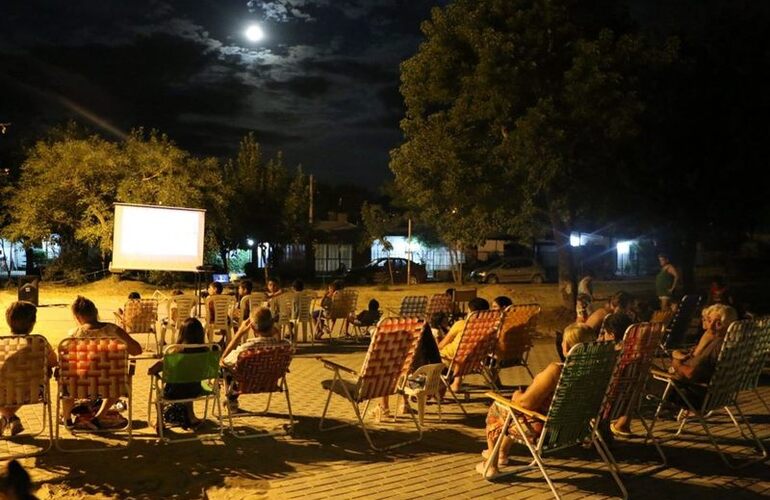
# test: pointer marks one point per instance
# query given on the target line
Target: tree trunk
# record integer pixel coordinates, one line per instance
(223, 255)
(390, 270)
(567, 278)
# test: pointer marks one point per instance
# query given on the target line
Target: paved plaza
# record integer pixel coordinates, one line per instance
(338, 463)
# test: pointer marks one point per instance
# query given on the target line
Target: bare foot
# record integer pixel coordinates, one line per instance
(492, 472)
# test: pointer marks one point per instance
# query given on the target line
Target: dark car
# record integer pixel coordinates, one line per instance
(377, 272)
(508, 270)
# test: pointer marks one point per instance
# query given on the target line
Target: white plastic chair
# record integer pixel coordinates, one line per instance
(430, 386)
(221, 319)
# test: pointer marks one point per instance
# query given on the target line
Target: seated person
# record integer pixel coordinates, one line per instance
(696, 365)
(368, 317)
(617, 303)
(87, 317)
(583, 308)
(332, 290)
(191, 332)
(214, 288)
(243, 304)
(439, 324)
(614, 326)
(536, 397)
(265, 334)
(120, 315)
(449, 344)
(500, 303)
(719, 292)
(273, 288)
(21, 317)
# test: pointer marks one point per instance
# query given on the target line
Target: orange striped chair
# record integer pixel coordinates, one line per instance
(94, 368)
(478, 341)
(24, 380)
(383, 373)
(140, 316)
(515, 339)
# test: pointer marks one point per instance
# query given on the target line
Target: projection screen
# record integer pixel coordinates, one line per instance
(154, 238)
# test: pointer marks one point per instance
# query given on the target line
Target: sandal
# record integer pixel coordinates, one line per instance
(620, 433)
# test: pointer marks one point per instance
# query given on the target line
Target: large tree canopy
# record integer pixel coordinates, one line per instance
(519, 113)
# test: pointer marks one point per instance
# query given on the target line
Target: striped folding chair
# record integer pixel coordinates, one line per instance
(200, 367)
(24, 380)
(94, 368)
(573, 416)
(722, 391)
(343, 305)
(220, 322)
(140, 316)
(439, 303)
(757, 362)
(260, 370)
(383, 373)
(413, 306)
(477, 344)
(632, 374)
(515, 340)
(676, 333)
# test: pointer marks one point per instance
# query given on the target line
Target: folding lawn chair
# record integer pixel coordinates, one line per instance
(573, 415)
(413, 306)
(94, 368)
(676, 332)
(259, 370)
(221, 320)
(759, 358)
(439, 303)
(515, 339)
(24, 380)
(342, 306)
(140, 316)
(478, 341)
(186, 368)
(726, 382)
(632, 374)
(383, 373)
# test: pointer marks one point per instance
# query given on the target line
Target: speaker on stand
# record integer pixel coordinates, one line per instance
(29, 289)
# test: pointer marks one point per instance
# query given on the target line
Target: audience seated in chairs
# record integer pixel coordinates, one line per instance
(536, 397)
(449, 344)
(243, 301)
(183, 414)
(215, 288)
(273, 288)
(619, 303)
(120, 314)
(332, 289)
(265, 333)
(87, 317)
(368, 317)
(21, 318)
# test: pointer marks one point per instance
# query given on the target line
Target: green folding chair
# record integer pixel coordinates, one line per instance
(728, 379)
(573, 416)
(759, 358)
(187, 368)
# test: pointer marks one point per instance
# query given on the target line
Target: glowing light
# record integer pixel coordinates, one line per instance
(250, 242)
(254, 33)
(624, 247)
(574, 240)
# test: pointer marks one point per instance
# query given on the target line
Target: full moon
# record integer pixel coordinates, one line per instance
(254, 33)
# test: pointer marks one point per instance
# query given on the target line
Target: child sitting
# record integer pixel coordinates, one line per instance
(182, 414)
(368, 317)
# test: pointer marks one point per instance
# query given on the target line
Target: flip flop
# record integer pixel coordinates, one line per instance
(619, 433)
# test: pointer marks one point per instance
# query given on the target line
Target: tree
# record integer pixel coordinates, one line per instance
(377, 225)
(519, 113)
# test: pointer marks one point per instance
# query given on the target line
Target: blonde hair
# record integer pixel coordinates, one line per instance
(727, 314)
(578, 333)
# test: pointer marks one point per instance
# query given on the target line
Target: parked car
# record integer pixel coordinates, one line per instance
(510, 269)
(377, 272)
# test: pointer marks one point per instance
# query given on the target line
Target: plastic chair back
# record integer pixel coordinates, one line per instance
(182, 308)
(91, 368)
(579, 394)
(186, 367)
(222, 305)
(23, 369)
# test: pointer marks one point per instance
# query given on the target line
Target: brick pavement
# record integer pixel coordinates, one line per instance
(338, 463)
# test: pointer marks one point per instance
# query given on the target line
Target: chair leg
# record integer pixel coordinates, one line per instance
(655, 441)
(449, 388)
(421, 399)
(609, 460)
(288, 404)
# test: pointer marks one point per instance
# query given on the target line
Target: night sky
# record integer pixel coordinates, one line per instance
(322, 86)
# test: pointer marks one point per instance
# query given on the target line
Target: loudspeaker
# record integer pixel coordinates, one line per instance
(29, 290)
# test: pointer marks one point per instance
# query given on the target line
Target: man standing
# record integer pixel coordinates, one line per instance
(666, 281)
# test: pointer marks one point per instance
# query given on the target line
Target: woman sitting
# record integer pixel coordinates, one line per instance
(190, 333)
(536, 397)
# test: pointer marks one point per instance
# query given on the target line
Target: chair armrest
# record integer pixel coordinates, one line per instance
(331, 365)
(660, 374)
(515, 407)
(669, 377)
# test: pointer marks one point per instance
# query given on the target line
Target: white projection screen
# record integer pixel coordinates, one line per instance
(154, 238)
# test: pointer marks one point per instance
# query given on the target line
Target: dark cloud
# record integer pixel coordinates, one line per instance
(323, 86)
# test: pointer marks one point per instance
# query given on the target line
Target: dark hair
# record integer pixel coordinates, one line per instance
(217, 286)
(21, 317)
(478, 304)
(16, 483)
(374, 305)
(337, 285)
(620, 299)
(616, 324)
(85, 309)
(584, 297)
(246, 285)
(177, 292)
(134, 296)
(437, 319)
(263, 320)
(274, 280)
(298, 285)
(450, 292)
(503, 301)
(191, 332)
